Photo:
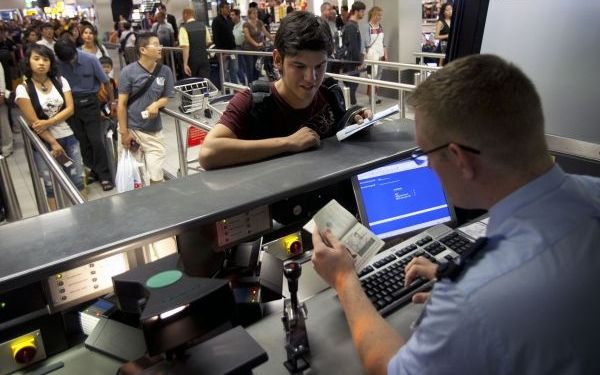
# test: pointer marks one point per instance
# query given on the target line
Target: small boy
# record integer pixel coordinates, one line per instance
(107, 67)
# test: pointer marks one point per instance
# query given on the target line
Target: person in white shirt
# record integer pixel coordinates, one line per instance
(375, 46)
(47, 39)
(127, 42)
(46, 102)
(91, 45)
(238, 35)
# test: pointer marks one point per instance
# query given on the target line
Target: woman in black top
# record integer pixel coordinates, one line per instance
(442, 27)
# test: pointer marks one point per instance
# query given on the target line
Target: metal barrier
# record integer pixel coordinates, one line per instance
(181, 148)
(422, 55)
(170, 58)
(12, 209)
(423, 69)
(60, 181)
(401, 87)
(172, 50)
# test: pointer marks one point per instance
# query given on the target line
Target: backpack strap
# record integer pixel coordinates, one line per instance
(146, 86)
(35, 101)
(260, 90)
(124, 41)
(262, 102)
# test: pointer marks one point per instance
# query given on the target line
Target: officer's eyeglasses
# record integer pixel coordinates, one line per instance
(420, 156)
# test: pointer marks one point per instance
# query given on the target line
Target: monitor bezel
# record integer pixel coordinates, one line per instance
(363, 214)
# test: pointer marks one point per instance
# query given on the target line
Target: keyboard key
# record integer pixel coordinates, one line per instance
(424, 240)
(415, 284)
(382, 262)
(365, 271)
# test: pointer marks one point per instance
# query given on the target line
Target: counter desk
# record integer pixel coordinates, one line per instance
(38, 247)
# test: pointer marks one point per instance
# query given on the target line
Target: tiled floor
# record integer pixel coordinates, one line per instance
(22, 178)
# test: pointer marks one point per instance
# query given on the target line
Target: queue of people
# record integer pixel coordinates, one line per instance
(61, 77)
(94, 91)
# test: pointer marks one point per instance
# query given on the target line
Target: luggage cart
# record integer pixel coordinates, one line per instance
(194, 95)
(199, 97)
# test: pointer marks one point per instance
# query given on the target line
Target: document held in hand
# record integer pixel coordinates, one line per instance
(360, 241)
(353, 129)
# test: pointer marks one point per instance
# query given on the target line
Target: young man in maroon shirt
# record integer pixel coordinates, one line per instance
(297, 113)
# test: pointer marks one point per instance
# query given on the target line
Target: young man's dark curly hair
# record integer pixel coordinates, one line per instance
(301, 31)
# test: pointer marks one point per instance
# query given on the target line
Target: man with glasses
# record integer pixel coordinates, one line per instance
(520, 302)
(144, 88)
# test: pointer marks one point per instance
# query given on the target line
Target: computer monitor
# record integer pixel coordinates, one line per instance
(401, 198)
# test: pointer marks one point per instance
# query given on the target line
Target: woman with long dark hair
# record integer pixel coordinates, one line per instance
(91, 45)
(442, 27)
(46, 102)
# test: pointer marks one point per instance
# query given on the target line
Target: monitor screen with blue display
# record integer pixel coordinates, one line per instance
(400, 198)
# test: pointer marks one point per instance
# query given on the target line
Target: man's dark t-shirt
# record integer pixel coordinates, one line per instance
(284, 120)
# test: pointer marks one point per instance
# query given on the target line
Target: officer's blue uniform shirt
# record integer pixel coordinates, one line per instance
(85, 75)
(529, 302)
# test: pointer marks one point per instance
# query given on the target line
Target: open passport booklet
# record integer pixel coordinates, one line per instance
(360, 241)
(355, 128)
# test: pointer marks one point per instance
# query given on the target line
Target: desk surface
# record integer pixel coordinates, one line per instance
(332, 350)
(331, 347)
(35, 248)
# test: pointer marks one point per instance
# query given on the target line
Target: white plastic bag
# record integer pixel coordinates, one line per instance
(128, 176)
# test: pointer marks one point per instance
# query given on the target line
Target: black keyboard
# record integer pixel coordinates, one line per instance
(383, 278)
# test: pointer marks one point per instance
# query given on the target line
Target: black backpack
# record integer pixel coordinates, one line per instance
(124, 41)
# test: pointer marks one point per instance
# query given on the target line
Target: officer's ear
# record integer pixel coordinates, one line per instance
(277, 59)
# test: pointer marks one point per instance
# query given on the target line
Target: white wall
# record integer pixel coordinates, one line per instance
(557, 44)
(12, 4)
(409, 33)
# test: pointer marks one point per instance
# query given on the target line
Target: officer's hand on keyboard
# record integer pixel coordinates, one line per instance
(331, 259)
(420, 297)
(419, 267)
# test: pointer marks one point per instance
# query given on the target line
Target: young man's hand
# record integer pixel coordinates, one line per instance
(331, 259)
(304, 139)
(363, 115)
(187, 70)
